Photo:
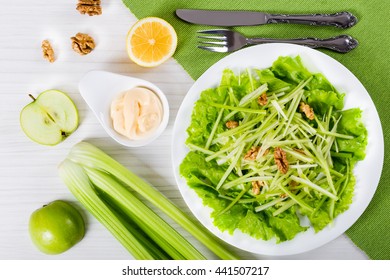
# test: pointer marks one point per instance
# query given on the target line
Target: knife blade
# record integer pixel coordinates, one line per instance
(247, 18)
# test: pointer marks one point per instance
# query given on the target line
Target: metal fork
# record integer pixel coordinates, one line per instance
(225, 40)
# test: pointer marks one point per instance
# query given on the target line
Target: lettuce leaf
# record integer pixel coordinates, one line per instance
(290, 69)
(241, 84)
(351, 124)
(319, 82)
(266, 76)
(321, 100)
(204, 116)
(198, 171)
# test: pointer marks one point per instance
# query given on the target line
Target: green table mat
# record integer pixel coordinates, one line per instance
(370, 63)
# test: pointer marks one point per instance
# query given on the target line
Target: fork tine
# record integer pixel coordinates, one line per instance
(214, 49)
(218, 43)
(219, 37)
(222, 38)
(214, 31)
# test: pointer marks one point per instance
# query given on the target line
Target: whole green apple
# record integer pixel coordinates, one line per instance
(56, 227)
(50, 118)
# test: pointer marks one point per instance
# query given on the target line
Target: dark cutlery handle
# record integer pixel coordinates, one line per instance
(342, 43)
(340, 20)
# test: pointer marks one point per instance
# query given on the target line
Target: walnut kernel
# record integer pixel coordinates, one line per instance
(48, 52)
(256, 187)
(82, 43)
(252, 153)
(89, 7)
(263, 100)
(305, 108)
(231, 124)
(281, 160)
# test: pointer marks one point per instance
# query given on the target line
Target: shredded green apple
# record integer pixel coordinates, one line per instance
(267, 146)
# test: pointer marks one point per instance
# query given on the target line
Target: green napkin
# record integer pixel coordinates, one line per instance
(369, 62)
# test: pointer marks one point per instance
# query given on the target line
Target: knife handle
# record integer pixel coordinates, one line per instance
(342, 43)
(340, 20)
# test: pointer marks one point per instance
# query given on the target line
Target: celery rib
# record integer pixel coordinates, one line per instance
(88, 155)
(79, 184)
(163, 234)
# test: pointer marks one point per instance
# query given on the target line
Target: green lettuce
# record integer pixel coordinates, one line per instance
(351, 124)
(204, 116)
(266, 76)
(290, 69)
(321, 100)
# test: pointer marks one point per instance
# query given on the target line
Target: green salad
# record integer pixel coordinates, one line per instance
(271, 146)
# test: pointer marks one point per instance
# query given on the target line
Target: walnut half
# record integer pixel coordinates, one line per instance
(263, 100)
(256, 186)
(48, 52)
(252, 153)
(281, 160)
(89, 7)
(231, 124)
(82, 43)
(305, 108)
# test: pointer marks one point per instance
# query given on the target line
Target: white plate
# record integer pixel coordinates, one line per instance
(367, 172)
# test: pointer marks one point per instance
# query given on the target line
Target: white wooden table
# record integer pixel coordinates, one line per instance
(28, 171)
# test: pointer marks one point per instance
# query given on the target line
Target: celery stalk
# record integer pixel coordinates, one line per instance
(79, 184)
(88, 155)
(149, 221)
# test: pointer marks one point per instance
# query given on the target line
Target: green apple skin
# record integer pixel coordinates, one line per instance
(50, 118)
(56, 227)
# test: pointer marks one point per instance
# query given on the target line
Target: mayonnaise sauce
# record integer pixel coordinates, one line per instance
(136, 113)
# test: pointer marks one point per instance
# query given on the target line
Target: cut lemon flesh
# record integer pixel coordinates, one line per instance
(151, 41)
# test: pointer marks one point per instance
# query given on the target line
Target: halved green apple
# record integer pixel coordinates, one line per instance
(50, 118)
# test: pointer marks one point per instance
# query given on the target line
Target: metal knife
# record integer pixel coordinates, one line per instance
(244, 18)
